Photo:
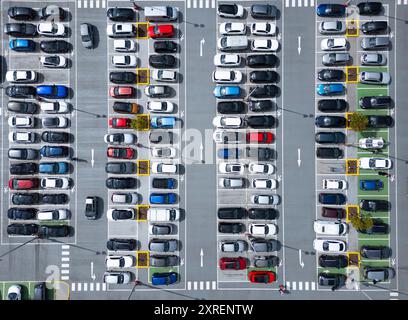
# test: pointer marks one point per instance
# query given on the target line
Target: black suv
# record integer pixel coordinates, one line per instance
(120, 14)
(328, 261)
(231, 107)
(332, 105)
(224, 227)
(267, 91)
(55, 46)
(262, 213)
(375, 102)
(232, 213)
(20, 29)
(262, 61)
(330, 137)
(122, 77)
(121, 244)
(166, 46)
(160, 61)
(329, 153)
(21, 13)
(373, 27)
(264, 11)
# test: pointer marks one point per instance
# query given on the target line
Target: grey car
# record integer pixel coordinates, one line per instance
(375, 43)
(332, 27)
(163, 245)
(266, 261)
(22, 154)
(161, 229)
(233, 246)
(262, 245)
(87, 37)
(373, 59)
(336, 59)
(232, 183)
(161, 136)
(164, 261)
(125, 167)
(377, 274)
(375, 252)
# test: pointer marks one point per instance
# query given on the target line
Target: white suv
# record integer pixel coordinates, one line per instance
(22, 137)
(124, 45)
(118, 30)
(225, 76)
(332, 228)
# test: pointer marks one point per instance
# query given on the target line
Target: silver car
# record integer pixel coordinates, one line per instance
(232, 183)
(335, 59)
(369, 77)
(233, 246)
(373, 59)
(374, 43)
(87, 35)
(164, 261)
(163, 245)
(332, 27)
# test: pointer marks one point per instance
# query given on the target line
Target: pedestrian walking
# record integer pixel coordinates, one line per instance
(385, 174)
(282, 289)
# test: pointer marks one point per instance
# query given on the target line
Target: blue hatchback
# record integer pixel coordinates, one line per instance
(331, 10)
(163, 122)
(53, 167)
(329, 89)
(52, 91)
(53, 152)
(164, 278)
(163, 198)
(22, 45)
(227, 92)
(371, 185)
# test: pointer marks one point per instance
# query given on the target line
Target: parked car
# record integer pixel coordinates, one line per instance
(371, 143)
(333, 261)
(334, 184)
(260, 122)
(120, 183)
(161, 61)
(332, 105)
(224, 76)
(230, 10)
(24, 198)
(263, 77)
(261, 61)
(123, 167)
(331, 228)
(125, 261)
(55, 46)
(125, 198)
(228, 122)
(369, 8)
(121, 30)
(166, 46)
(378, 228)
(266, 261)
(225, 137)
(21, 76)
(164, 152)
(164, 75)
(51, 29)
(162, 122)
(120, 123)
(374, 27)
(231, 107)
(54, 122)
(261, 105)
(160, 31)
(374, 205)
(22, 107)
(23, 184)
(330, 122)
(120, 14)
(52, 11)
(265, 91)
(332, 246)
(23, 122)
(22, 137)
(164, 260)
(380, 78)
(261, 277)
(375, 43)
(111, 277)
(121, 244)
(157, 91)
(52, 91)
(22, 229)
(380, 121)
(23, 168)
(265, 45)
(375, 102)
(263, 29)
(53, 167)
(163, 245)
(371, 185)
(330, 137)
(164, 183)
(264, 199)
(54, 61)
(264, 11)
(375, 252)
(21, 92)
(330, 75)
(228, 227)
(166, 168)
(162, 136)
(122, 77)
(54, 214)
(20, 29)
(163, 198)
(21, 13)
(332, 27)
(334, 44)
(329, 89)
(231, 183)
(232, 213)
(233, 246)
(21, 213)
(261, 168)
(262, 229)
(22, 154)
(329, 153)
(229, 153)
(227, 92)
(263, 245)
(331, 10)
(229, 167)
(262, 213)
(259, 137)
(54, 151)
(378, 274)
(55, 183)
(121, 214)
(259, 153)
(336, 59)
(22, 45)
(164, 278)
(237, 263)
(55, 137)
(332, 198)
(160, 106)
(375, 163)
(124, 61)
(333, 280)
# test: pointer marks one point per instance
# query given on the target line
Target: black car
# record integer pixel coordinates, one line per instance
(166, 46)
(55, 136)
(260, 105)
(21, 213)
(330, 75)
(329, 153)
(24, 198)
(123, 107)
(22, 229)
(53, 61)
(330, 137)
(120, 183)
(368, 8)
(122, 77)
(164, 183)
(261, 154)
(120, 214)
(125, 167)
(121, 244)
(260, 122)
(161, 136)
(40, 291)
(224, 227)
(23, 168)
(334, 280)
(332, 198)
(375, 205)
(20, 29)
(264, 11)
(375, 102)
(263, 76)
(331, 10)
(332, 105)
(378, 227)
(21, 92)
(267, 91)
(55, 46)
(120, 14)
(380, 121)
(330, 122)
(54, 231)
(22, 107)
(225, 10)
(231, 107)
(54, 198)
(329, 261)
(262, 61)
(373, 27)
(266, 261)
(232, 213)
(52, 11)
(262, 213)
(160, 61)
(375, 252)
(21, 13)
(164, 260)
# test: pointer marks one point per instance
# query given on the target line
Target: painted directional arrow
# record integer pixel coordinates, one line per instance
(202, 41)
(201, 258)
(92, 157)
(299, 44)
(298, 160)
(300, 259)
(93, 276)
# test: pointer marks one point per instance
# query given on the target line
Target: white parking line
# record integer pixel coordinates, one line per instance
(79, 4)
(188, 285)
(91, 286)
(195, 285)
(214, 285)
(98, 286)
(293, 285)
(306, 285)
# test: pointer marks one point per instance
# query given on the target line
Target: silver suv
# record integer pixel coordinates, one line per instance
(334, 59)
(373, 43)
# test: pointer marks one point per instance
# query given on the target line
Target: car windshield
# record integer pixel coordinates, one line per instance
(326, 246)
(330, 42)
(230, 9)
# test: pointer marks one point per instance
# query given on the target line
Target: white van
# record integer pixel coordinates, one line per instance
(54, 107)
(161, 13)
(163, 214)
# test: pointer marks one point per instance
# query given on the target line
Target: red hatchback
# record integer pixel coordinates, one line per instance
(261, 276)
(122, 92)
(259, 137)
(120, 153)
(120, 123)
(23, 184)
(233, 263)
(161, 31)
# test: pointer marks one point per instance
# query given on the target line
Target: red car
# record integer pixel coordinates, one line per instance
(161, 31)
(259, 137)
(23, 184)
(122, 92)
(261, 276)
(233, 263)
(120, 153)
(120, 123)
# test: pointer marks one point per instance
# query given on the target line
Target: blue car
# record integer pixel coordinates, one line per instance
(164, 278)
(227, 92)
(331, 10)
(52, 91)
(22, 45)
(229, 153)
(163, 198)
(332, 198)
(54, 152)
(163, 122)
(329, 89)
(53, 167)
(371, 185)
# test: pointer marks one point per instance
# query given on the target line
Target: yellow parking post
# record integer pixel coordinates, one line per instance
(140, 207)
(143, 259)
(351, 209)
(142, 28)
(352, 74)
(143, 76)
(352, 28)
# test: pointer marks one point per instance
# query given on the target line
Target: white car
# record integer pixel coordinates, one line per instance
(370, 77)
(264, 199)
(55, 183)
(51, 29)
(227, 60)
(124, 61)
(121, 214)
(228, 122)
(14, 292)
(54, 61)
(264, 183)
(164, 152)
(160, 167)
(21, 122)
(54, 122)
(21, 76)
(55, 214)
(116, 277)
(118, 30)
(229, 167)
(261, 168)
(119, 138)
(227, 76)
(262, 229)
(332, 228)
(332, 27)
(231, 183)
(21, 137)
(160, 106)
(264, 45)
(232, 28)
(230, 10)
(371, 143)
(332, 246)
(333, 44)
(54, 107)
(124, 45)
(263, 29)
(164, 75)
(375, 163)
(334, 184)
(119, 262)
(125, 198)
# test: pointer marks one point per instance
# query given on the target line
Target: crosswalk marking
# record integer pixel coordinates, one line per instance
(65, 253)
(85, 3)
(98, 286)
(65, 259)
(214, 285)
(97, 3)
(65, 246)
(85, 286)
(306, 286)
(79, 286)
(207, 285)
(300, 285)
(195, 285)
(313, 285)
(91, 286)
(294, 285)
(293, 3)
(79, 4)
(287, 3)
(91, 4)
(194, 3)
(64, 265)
(207, 3)
(201, 3)
(103, 4)
(405, 2)
(299, 3)
(201, 285)
(189, 285)
(212, 3)
(288, 285)
(312, 3)
(394, 294)
(64, 271)
(64, 278)
(103, 286)
(73, 286)
(188, 3)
